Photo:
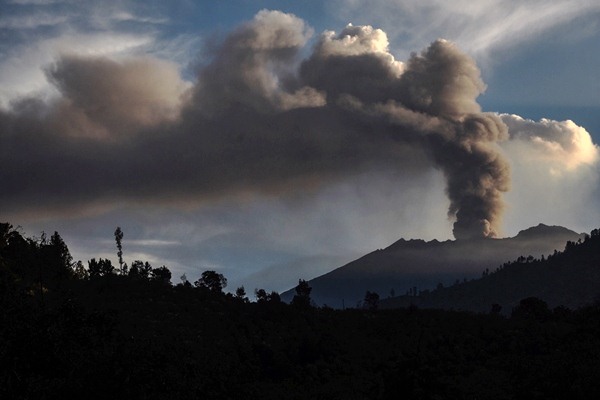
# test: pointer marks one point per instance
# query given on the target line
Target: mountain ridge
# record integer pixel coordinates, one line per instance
(416, 264)
(570, 278)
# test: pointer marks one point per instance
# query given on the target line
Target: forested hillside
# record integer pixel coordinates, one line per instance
(98, 332)
(570, 278)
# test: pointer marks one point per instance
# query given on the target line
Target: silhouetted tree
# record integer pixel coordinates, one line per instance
(102, 267)
(274, 297)
(302, 297)
(19, 254)
(184, 281)
(119, 239)
(371, 301)
(140, 269)
(54, 261)
(532, 308)
(79, 271)
(146, 270)
(161, 274)
(5, 229)
(134, 270)
(263, 297)
(496, 308)
(62, 255)
(212, 280)
(240, 293)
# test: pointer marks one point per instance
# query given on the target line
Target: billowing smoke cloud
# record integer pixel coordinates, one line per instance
(251, 64)
(106, 98)
(432, 101)
(259, 119)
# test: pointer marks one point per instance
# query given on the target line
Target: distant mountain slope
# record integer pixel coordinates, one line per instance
(570, 278)
(408, 264)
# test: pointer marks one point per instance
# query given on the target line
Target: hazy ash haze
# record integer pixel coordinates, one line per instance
(260, 145)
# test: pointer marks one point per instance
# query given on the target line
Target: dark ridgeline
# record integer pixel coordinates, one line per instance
(570, 278)
(69, 332)
(411, 266)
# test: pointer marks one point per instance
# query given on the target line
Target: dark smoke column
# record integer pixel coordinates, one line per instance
(430, 102)
(444, 83)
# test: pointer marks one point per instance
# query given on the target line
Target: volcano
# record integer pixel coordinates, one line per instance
(410, 266)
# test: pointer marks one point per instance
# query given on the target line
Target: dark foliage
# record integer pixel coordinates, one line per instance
(371, 301)
(302, 297)
(115, 336)
(212, 281)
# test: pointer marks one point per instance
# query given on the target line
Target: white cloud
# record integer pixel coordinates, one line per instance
(556, 172)
(562, 146)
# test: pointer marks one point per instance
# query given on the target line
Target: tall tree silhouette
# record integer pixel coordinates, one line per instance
(119, 239)
(61, 255)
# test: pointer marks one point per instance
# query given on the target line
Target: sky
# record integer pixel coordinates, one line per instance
(273, 141)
